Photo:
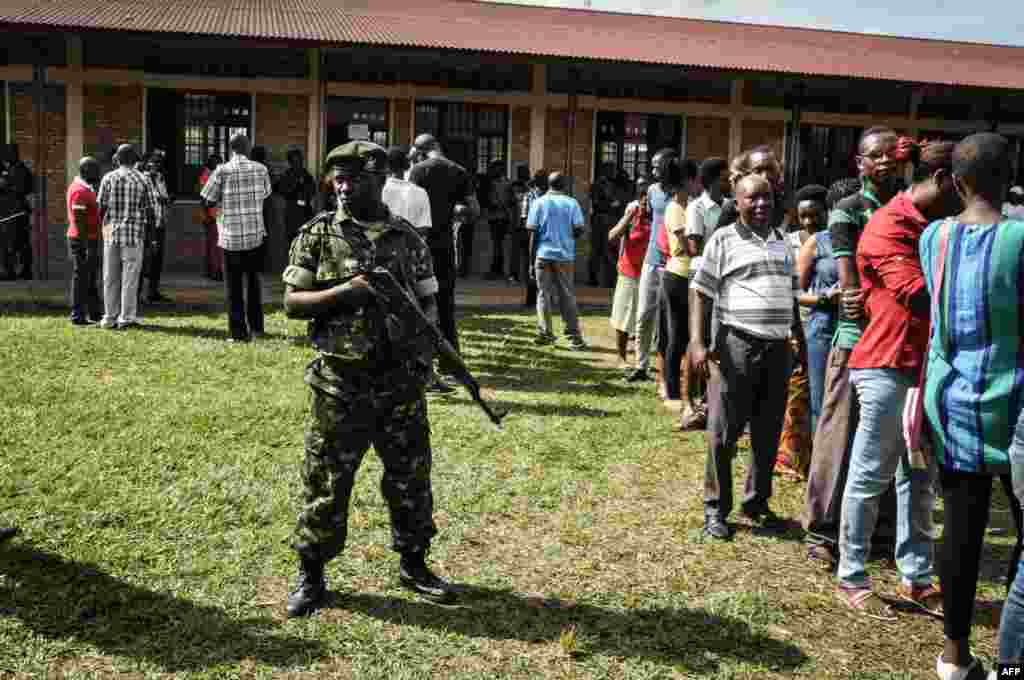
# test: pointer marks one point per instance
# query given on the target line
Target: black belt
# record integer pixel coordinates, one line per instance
(750, 337)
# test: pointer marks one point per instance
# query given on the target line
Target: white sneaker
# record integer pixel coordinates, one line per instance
(948, 671)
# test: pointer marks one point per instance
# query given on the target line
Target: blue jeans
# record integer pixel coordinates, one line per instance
(819, 344)
(1011, 627)
(878, 454)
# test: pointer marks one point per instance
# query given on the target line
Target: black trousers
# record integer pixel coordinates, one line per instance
(673, 328)
(465, 245)
(600, 265)
(749, 385)
(499, 230)
(444, 270)
(244, 291)
(19, 254)
(517, 253)
(966, 498)
(153, 267)
(85, 265)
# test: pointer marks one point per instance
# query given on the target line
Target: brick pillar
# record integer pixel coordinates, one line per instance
(54, 145)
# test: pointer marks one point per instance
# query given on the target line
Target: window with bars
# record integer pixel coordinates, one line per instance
(209, 123)
(634, 159)
(489, 149)
(609, 153)
(472, 135)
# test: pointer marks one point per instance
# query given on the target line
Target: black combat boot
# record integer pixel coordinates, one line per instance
(7, 532)
(310, 589)
(417, 577)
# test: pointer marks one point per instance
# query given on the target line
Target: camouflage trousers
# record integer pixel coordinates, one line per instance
(339, 432)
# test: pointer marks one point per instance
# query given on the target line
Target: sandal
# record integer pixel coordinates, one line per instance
(927, 598)
(865, 601)
(822, 557)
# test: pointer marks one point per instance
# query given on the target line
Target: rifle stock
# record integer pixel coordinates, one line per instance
(381, 275)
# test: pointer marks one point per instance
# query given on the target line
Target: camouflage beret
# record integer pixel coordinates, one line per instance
(358, 157)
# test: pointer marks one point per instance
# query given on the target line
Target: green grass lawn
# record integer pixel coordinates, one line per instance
(155, 476)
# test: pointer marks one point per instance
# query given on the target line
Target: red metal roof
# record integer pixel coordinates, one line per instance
(540, 31)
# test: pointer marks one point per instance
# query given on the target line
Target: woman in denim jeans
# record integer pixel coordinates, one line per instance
(1011, 627)
(885, 363)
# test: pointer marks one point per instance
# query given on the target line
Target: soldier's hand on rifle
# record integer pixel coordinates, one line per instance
(356, 293)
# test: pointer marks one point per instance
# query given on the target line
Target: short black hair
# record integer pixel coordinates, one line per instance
(873, 131)
(931, 158)
(711, 169)
(672, 172)
(983, 160)
(540, 179)
(558, 182)
(239, 143)
(690, 169)
(811, 192)
(841, 189)
(398, 159)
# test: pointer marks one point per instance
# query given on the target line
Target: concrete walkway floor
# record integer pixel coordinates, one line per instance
(198, 290)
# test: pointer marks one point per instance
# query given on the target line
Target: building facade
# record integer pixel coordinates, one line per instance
(531, 87)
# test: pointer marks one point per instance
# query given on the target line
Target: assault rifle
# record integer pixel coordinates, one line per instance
(393, 293)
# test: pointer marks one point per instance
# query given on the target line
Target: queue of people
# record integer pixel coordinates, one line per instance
(867, 336)
(887, 310)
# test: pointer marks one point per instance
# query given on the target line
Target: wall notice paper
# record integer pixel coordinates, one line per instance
(358, 131)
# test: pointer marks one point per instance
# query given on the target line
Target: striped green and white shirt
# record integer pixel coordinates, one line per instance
(751, 281)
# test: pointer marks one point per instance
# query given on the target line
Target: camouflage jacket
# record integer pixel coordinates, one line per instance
(335, 247)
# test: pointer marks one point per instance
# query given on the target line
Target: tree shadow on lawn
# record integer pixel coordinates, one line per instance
(58, 598)
(511, 408)
(700, 641)
(530, 371)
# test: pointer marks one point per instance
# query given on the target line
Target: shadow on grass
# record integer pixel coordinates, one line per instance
(511, 408)
(695, 639)
(57, 598)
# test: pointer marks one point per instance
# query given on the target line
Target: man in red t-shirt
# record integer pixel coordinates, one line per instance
(83, 243)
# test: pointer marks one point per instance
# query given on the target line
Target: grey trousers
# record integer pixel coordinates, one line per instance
(647, 314)
(555, 286)
(748, 385)
(122, 267)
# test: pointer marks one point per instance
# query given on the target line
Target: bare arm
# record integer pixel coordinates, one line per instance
(694, 244)
(805, 262)
(307, 304)
(701, 307)
(849, 283)
(623, 226)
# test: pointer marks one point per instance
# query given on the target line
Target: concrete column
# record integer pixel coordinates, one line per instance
(736, 119)
(314, 141)
(412, 119)
(538, 116)
(74, 92)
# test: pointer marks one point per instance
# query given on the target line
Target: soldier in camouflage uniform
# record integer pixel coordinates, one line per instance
(369, 377)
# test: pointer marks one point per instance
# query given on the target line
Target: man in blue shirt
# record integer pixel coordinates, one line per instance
(555, 222)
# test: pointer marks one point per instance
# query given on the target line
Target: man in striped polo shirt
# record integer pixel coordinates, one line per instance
(748, 279)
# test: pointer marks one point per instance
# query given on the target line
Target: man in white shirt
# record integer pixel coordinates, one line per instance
(702, 214)
(403, 198)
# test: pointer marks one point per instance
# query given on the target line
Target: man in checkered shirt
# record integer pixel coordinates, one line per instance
(127, 210)
(239, 188)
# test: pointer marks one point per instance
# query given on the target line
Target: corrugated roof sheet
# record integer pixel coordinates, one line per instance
(464, 24)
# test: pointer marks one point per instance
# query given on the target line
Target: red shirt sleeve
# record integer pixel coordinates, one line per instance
(895, 261)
